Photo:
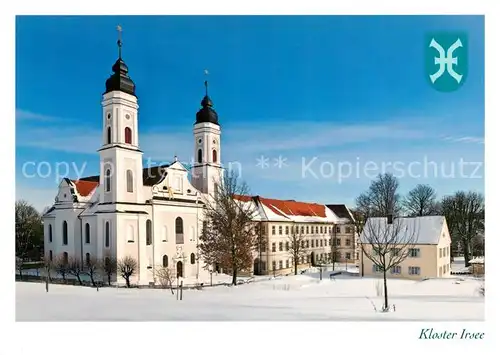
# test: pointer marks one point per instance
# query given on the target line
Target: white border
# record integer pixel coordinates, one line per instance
(303, 338)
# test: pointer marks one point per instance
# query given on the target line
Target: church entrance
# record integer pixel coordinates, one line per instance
(179, 269)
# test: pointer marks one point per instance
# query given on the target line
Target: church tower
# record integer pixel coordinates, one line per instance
(207, 168)
(121, 160)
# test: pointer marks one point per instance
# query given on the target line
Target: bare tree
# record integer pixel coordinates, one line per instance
(387, 242)
(334, 247)
(464, 212)
(297, 247)
(29, 233)
(382, 197)
(229, 238)
(75, 268)
(260, 245)
(61, 266)
(47, 266)
(165, 276)
(109, 266)
(421, 201)
(127, 266)
(360, 218)
(93, 269)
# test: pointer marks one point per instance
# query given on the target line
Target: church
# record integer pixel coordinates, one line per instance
(155, 214)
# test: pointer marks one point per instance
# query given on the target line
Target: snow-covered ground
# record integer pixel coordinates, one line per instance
(301, 297)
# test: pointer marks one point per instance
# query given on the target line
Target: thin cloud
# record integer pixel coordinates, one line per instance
(24, 115)
(465, 139)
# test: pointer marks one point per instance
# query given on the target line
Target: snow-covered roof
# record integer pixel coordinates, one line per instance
(424, 230)
(268, 209)
(478, 260)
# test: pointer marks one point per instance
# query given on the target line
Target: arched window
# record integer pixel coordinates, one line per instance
(107, 232)
(214, 156)
(65, 257)
(130, 181)
(50, 255)
(107, 180)
(165, 261)
(200, 153)
(179, 231)
(87, 233)
(130, 233)
(108, 137)
(87, 259)
(193, 258)
(164, 233)
(50, 233)
(128, 135)
(65, 233)
(149, 232)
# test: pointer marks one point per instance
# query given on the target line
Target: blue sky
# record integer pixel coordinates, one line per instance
(321, 92)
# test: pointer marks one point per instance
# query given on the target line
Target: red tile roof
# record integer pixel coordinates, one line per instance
(294, 208)
(288, 207)
(84, 187)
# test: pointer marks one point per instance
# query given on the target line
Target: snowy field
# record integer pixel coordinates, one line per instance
(301, 298)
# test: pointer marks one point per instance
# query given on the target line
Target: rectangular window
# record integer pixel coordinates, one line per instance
(440, 252)
(287, 264)
(414, 253)
(317, 230)
(296, 229)
(307, 243)
(273, 247)
(348, 256)
(376, 268)
(347, 242)
(330, 230)
(280, 230)
(395, 251)
(281, 246)
(414, 270)
(321, 229)
(281, 264)
(274, 265)
(396, 270)
(302, 244)
(357, 256)
(287, 246)
(307, 229)
(287, 230)
(273, 230)
(321, 243)
(302, 230)
(338, 242)
(317, 243)
(348, 230)
(337, 229)
(329, 242)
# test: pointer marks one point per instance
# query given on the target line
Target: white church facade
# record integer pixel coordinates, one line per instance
(151, 214)
(155, 214)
